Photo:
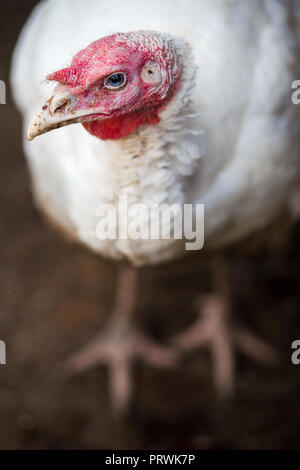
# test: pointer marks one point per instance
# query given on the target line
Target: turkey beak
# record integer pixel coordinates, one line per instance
(61, 109)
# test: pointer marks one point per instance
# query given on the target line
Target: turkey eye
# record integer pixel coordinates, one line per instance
(116, 80)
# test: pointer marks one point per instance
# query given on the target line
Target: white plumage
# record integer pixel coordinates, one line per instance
(246, 58)
(229, 139)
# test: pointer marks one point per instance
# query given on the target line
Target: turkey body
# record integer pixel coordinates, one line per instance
(244, 167)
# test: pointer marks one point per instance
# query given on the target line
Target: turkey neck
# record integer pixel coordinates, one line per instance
(154, 164)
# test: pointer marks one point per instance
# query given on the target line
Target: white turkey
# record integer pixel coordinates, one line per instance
(180, 101)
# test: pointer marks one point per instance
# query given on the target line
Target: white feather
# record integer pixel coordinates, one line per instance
(237, 108)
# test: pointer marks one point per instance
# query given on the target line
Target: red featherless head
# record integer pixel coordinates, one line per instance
(117, 84)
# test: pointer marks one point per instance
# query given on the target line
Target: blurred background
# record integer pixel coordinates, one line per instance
(54, 296)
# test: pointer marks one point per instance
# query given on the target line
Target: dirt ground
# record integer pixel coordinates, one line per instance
(54, 296)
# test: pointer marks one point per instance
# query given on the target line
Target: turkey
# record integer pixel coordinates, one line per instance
(180, 102)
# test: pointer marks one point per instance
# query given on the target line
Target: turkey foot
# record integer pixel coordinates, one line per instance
(214, 329)
(120, 344)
